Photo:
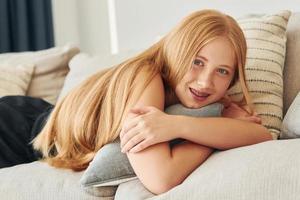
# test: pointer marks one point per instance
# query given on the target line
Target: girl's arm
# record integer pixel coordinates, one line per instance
(221, 133)
(158, 167)
(151, 126)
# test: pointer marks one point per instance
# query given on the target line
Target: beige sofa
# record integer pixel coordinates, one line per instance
(267, 170)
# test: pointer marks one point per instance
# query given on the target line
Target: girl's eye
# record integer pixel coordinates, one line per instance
(223, 71)
(198, 62)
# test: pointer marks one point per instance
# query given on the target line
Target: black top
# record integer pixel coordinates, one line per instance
(21, 119)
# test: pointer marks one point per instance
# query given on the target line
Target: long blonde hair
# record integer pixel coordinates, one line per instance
(91, 115)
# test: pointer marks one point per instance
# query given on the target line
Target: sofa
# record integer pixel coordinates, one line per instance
(268, 170)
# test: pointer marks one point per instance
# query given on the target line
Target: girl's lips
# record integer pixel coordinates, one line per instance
(199, 96)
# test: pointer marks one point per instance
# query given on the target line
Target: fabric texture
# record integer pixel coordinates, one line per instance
(133, 190)
(292, 69)
(83, 65)
(14, 80)
(25, 25)
(110, 166)
(51, 67)
(38, 180)
(268, 170)
(266, 47)
(291, 121)
(18, 115)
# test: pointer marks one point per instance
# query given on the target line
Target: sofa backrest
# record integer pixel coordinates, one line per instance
(291, 73)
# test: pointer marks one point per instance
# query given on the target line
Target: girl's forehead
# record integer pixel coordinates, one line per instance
(219, 51)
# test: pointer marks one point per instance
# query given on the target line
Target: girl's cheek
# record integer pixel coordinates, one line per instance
(192, 73)
(223, 87)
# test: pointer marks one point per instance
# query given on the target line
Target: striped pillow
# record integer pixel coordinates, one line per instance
(266, 41)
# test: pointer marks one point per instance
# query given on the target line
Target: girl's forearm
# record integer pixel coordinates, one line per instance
(186, 157)
(221, 133)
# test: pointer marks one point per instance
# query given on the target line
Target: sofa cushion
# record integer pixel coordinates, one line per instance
(291, 121)
(50, 64)
(38, 180)
(133, 190)
(268, 170)
(292, 64)
(266, 45)
(14, 80)
(83, 65)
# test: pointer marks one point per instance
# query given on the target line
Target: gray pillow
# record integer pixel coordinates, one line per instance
(111, 167)
(291, 122)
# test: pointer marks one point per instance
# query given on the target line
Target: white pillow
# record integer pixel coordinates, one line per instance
(291, 121)
(14, 80)
(84, 65)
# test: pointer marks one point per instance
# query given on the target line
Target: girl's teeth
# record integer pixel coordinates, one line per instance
(199, 94)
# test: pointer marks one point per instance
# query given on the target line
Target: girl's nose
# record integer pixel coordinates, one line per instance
(205, 80)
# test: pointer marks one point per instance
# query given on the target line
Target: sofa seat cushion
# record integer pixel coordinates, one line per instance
(38, 180)
(268, 170)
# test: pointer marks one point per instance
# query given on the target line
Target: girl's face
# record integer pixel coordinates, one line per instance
(210, 75)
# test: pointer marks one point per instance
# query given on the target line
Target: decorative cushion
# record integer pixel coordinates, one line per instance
(14, 80)
(105, 171)
(266, 41)
(51, 67)
(291, 121)
(267, 170)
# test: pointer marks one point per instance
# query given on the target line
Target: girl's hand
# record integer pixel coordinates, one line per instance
(149, 126)
(236, 112)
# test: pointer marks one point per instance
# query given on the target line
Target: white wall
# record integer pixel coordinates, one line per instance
(140, 22)
(104, 26)
(82, 22)
(65, 21)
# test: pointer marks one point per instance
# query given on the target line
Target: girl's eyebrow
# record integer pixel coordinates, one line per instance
(223, 65)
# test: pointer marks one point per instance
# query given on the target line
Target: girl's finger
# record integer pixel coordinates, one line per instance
(127, 136)
(129, 125)
(258, 120)
(254, 114)
(255, 119)
(132, 142)
(141, 146)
